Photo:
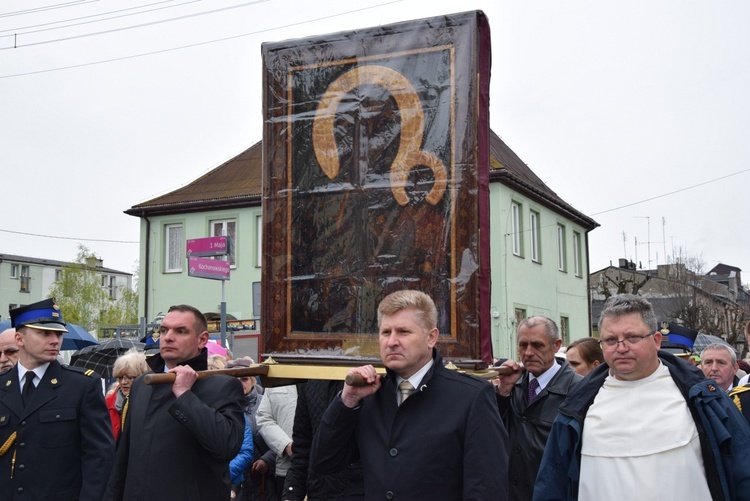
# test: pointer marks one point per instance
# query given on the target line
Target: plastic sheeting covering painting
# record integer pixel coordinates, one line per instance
(376, 171)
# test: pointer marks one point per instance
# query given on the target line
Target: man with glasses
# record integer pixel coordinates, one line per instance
(641, 410)
(8, 349)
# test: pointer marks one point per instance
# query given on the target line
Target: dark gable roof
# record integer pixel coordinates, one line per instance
(237, 183)
(507, 168)
(724, 269)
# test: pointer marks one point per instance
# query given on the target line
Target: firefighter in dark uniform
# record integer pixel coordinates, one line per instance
(55, 439)
(678, 340)
(740, 395)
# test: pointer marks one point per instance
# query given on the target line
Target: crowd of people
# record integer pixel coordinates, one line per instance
(622, 417)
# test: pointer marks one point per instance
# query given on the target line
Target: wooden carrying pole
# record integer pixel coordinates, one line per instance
(284, 374)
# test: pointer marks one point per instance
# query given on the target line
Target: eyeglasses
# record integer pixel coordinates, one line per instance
(9, 352)
(244, 379)
(127, 379)
(631, 340)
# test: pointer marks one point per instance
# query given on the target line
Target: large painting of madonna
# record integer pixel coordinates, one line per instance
(373, 182)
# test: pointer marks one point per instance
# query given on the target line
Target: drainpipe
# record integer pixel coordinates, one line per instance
(147, 270)
(589, 292)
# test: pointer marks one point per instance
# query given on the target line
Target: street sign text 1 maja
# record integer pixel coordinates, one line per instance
(207, 247)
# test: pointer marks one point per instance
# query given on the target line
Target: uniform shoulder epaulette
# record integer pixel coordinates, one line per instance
(80, 370)
(739, 389)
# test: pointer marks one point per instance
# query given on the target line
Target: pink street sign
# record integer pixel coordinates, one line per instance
(206, 247)
(208, 268)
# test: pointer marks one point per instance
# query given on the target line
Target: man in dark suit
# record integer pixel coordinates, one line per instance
(423, 431)
(178, 439)
(54, 429)
(529, 398)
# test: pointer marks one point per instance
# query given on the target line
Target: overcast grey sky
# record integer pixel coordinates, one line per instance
(635, 112)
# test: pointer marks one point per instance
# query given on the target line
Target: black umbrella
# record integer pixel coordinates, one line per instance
(101, 357)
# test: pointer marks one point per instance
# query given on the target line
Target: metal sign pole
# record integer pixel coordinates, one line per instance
(223, 314)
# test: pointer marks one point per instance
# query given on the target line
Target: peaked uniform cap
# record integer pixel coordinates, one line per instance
(678, 339)
(679, 334)
(44, 315)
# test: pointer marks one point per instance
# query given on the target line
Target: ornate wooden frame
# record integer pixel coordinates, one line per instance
(376, 171)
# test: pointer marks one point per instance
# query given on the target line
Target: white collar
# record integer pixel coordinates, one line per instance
(39, 371)
(547, 375)
(417, 377)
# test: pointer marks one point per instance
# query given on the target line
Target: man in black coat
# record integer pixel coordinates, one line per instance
(440, 439)
(54, 424)
(528, 418)
(178, 439)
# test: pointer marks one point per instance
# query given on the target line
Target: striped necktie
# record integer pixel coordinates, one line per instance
(406, 389)
(533, 385)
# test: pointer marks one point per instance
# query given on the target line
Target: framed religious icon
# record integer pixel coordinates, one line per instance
(376, 172)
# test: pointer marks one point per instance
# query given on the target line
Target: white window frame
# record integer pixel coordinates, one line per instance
(227, 228)
(109, 284)
(173, 251)
(14, 271)
(561, 257)
(516, 228)
(25, 285)
(577, 253)
(535, 236)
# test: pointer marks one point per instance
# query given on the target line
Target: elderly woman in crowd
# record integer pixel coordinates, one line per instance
(127, 367)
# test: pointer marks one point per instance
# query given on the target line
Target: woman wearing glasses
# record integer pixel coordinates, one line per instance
(127, 367)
